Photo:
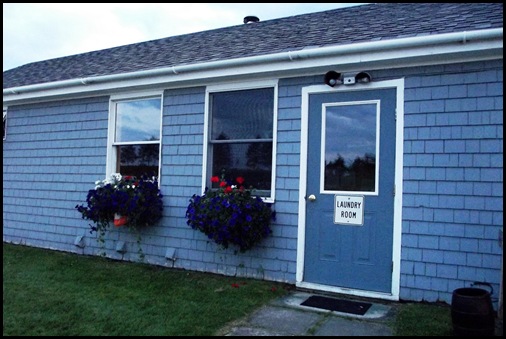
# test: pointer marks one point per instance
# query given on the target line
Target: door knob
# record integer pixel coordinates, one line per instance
(312, 197)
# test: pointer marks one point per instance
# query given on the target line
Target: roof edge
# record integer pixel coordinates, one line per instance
(465, 37)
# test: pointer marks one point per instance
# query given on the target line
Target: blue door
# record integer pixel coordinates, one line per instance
(350, 189)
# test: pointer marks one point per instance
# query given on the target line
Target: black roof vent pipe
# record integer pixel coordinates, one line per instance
(250, 19)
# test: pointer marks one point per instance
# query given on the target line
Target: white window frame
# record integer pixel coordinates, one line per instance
(111, 163)
(206, 175)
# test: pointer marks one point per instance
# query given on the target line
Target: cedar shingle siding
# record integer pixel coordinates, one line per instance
(452, 195)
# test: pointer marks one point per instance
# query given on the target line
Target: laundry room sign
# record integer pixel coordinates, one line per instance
(349, 210)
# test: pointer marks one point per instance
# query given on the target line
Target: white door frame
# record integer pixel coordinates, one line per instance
(396, 250)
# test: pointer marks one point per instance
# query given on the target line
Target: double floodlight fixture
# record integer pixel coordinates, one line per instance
(333, 78)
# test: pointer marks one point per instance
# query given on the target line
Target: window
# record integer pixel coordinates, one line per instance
(134, 136)
(5, 121)
(241, 137)
(350, 147)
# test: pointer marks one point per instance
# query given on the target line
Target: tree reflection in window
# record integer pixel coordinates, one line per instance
(138, 160)
(350, 146)
(358, 176)
(241, 137)
(252, 161)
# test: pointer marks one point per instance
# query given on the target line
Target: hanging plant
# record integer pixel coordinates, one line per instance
(231, 215)
(124, 201)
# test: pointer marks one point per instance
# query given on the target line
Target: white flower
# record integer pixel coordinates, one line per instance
(116, 177)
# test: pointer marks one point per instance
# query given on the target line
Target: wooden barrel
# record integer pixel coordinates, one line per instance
(472, 312)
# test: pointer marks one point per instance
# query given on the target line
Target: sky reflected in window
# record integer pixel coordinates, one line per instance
(350, 132)
(138, 120)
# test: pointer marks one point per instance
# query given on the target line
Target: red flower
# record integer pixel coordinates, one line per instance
(120, 220)
(223, 184)
(215, 179)
(235, 285)
(240, 180)
(228, 189)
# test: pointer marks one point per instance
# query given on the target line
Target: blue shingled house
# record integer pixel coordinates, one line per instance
(380, 128)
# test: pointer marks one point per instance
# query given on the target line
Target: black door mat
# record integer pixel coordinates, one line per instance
(339, 305)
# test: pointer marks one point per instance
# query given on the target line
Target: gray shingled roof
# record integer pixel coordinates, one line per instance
(335, 27)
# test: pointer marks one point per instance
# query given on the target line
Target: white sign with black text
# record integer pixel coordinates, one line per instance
(349, 210)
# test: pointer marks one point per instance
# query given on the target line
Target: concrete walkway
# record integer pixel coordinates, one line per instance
(286, 317)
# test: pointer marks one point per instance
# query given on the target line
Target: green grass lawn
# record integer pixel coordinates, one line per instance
(423, 319)
(50, 293)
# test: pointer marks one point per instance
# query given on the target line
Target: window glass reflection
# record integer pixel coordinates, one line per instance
(241, 134)
(138, 160)
(242, 114)
(138, 120)
(252, 161)
(350, 147)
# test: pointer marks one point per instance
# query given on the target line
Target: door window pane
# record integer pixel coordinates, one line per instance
(350, 147)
